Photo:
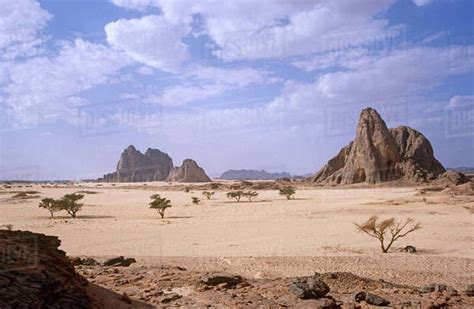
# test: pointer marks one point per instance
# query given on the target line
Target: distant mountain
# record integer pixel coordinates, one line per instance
(463, 169)
(252, 175)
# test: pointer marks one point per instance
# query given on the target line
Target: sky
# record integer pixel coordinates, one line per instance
(275, 85)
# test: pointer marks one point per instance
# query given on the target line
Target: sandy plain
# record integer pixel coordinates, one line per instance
(269, 237)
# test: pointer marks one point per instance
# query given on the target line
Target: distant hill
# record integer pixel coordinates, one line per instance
(463, 169)
(252, 175)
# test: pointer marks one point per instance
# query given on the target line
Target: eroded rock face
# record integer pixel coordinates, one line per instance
(189, 171)
(34, 273)
(379, 154)
(133, 166)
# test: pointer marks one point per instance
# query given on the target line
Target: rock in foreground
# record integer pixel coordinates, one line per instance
(379, 154)
(34, 273)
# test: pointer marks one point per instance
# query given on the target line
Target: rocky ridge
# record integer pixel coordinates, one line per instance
(378, 154)
(153, 165)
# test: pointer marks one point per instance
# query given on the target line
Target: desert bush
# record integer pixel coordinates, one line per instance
(288, 192)
(187, 189)
(159, 204)
(388, 231)
(51, 205)
(195, 200)
(250, 195)
(208, 194)
(69, 203)
(237, 195)
(215, 185)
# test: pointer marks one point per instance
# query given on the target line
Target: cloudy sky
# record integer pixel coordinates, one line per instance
(269, 84)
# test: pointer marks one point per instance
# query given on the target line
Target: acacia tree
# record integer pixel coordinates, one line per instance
(288, 192)
(51, 205)
(389, 230)
(208, 194)
(69, 203)
(237, 195)
(250, 195)
(159, 204)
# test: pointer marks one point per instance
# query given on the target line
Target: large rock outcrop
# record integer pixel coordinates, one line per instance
(134, 166)
(189, 171)
(34, 273)
(379, 154)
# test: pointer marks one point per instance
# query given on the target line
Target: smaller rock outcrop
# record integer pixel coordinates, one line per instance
(189, 171)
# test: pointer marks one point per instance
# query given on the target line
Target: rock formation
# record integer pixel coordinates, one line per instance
(379, 154)
(134, 166)
(153, 165)
(252, 175)
(34, 273)
(189, 171)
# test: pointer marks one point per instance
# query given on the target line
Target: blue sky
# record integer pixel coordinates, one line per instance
(276, 84)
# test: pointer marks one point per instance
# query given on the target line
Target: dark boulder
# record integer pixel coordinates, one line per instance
(309, 287)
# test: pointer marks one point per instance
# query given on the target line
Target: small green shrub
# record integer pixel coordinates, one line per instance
(160, 204)
(208, 194)
(288, 192)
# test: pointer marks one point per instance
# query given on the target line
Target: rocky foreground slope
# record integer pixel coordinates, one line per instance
(34, 273)
(153, 165)
(378, 154)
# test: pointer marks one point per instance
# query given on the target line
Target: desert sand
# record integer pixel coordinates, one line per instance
(269, 237)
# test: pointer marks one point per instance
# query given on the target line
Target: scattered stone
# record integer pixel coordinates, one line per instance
(359, 296)
(220, 278)
(410, 249)
(438, 288)
(167, 298)
(376, 300)
(119, 261)
(309, 287)
(470, 290)
(85, 262)
(321, 303)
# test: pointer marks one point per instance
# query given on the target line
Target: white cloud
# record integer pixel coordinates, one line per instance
(422, 2)
(21, 22)
(151, 40)
(43, 87)
(461, 101)
(331, 59)
(278, 29)
(200, 82)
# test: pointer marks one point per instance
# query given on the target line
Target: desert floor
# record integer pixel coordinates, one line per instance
(270, 237)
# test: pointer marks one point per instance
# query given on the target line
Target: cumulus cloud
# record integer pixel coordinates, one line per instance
(151, 40)
(45, 87)
(21, 22)
(279, 29)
